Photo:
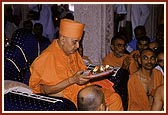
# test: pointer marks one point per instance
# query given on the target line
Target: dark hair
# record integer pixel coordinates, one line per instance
(113, 40)
(27, 22)
(38, 24)
(140, 27)
(144, 38)
(159, 50)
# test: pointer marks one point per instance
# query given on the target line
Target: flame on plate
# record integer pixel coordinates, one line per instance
(96, 68)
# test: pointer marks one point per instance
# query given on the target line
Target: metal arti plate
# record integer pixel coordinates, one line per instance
(100, 70)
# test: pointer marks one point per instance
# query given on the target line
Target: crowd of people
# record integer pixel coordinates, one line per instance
(56, 68)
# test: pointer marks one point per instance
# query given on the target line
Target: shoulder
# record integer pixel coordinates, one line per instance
(109, 54)
(134, 76)
(43, 58)
(157, 72)
(161, 87)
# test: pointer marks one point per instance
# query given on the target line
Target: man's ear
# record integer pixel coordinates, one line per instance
(139, 60)
(101, 107)
(156, 60)
(62, 40)
(112, 47)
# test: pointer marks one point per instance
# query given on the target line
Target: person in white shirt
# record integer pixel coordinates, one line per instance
(160, 62)
(139, 14)
(45, 20)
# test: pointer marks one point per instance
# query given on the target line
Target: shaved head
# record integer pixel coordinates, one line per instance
(90, 98)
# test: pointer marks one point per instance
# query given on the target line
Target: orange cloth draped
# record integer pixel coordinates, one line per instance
(53, 66)
(113, 100)
(112, 60)
(137, 98)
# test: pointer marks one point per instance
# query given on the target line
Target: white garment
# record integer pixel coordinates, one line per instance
(10, 28)
(160, 69)
(139, 15)
(136, 13)
(120, 9)
(45, 20)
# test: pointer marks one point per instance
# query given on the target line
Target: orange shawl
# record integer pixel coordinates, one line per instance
(112, 60)
(138, 100)
(53, 66)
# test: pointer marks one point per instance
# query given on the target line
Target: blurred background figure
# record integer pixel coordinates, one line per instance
(45, 19)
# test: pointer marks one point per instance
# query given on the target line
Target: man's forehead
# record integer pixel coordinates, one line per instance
(72, 39)
(147, 53)
(161, 55)
(119, 41)
(142, 42)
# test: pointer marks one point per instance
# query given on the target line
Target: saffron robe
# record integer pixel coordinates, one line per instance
(112, 60)
(137, 97)
(53, 66)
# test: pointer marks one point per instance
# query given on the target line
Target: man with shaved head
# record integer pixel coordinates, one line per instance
(91, 98)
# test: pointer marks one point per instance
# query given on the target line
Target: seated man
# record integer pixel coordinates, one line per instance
(58, 70)
(139, 31)
(142, 43)
(119, 58)
(43, 42)
(160, 62)
(142, 84)
(154, 45)
(91, 98)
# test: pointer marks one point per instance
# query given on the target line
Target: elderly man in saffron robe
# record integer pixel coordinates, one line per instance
(58, 70)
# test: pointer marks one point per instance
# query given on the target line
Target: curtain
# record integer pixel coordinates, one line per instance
(98, 20)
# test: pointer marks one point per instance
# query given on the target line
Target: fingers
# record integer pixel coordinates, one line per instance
(127, 60)
(81, 78)
(135, 56)
(80, 72)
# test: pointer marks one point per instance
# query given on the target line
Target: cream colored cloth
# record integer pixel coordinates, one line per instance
(15, 85)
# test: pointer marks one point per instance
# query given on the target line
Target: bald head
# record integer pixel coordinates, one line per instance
(90, 98)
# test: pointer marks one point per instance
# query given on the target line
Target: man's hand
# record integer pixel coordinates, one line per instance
(80, 78)
(126, 63)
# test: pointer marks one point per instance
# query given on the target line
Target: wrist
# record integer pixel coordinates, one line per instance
(124, 67)
(71, 80)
